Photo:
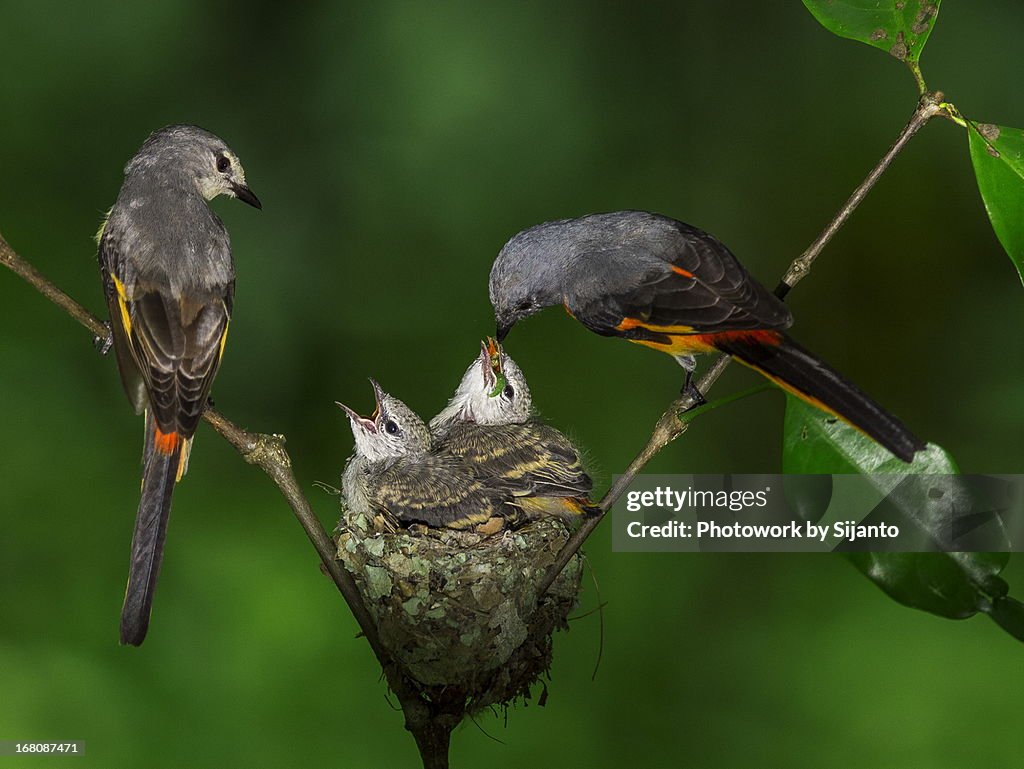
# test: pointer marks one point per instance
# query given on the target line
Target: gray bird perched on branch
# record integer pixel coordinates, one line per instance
(169, 279)
(667, 285)
(490, 424)
(394, 473)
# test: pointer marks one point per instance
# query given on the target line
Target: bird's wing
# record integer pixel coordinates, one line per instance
(111, 265)
(529, 459)
(179, 344)
(689, 283)
(435, 491)
(173, 345)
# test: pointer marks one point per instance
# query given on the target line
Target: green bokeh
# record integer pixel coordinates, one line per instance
(395, 147)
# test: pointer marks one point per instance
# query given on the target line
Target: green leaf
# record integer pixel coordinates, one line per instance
(1009, 614)
(816, 442)
(898, 27)
(690, 414)
(953, 585)
(998, 156)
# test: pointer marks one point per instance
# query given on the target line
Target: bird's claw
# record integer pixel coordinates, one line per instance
(691, 391)
(104, 343)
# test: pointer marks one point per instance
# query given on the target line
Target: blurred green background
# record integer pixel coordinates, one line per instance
(396, 146)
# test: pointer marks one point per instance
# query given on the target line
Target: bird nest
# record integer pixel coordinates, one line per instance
(460, 609)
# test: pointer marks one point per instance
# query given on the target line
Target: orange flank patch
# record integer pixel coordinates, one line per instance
(568, 311)
(681, 271)
(628, 324)
(166, 443)
(683, 341)
(691, 344)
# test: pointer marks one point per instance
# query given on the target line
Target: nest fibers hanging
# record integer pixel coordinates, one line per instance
(459, 609)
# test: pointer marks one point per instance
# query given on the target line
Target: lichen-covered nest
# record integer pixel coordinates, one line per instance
(459, 608)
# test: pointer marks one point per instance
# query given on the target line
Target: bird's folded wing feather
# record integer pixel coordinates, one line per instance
(174, 343)
(532, 458)
(435, 491)
(691, 283)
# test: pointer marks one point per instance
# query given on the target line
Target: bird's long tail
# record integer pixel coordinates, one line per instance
(795, 369)
(161, 468)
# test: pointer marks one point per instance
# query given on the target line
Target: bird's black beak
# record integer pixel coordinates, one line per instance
(246, 195)
(364, 422)
(502, 329)
(378, 396)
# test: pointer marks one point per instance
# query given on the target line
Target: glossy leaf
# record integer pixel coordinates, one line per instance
(898, 27)
(816, 442)
(997, 153)
(953, 585)
(809, 496)
(1009, 614)
(690, 414)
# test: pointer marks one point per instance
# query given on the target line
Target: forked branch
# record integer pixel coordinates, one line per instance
(669, 425)
(268, 453)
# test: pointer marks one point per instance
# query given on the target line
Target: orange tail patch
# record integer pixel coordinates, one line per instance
(166, 443)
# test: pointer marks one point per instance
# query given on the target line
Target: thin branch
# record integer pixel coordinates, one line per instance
(927, 108)
(431, 727)
(669, 426)
(915, 70)
(430, 730)
(268, 453)
(20, 267)
(265, 451)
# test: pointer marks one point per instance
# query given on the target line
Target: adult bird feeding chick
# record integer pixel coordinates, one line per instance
(394, 473)
(490, 424)
(667, 285)
(169, 281)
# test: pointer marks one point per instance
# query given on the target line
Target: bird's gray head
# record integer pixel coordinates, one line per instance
(572, 261)
(529, 273)
(193, 156)
(493, 391)
(392, 431)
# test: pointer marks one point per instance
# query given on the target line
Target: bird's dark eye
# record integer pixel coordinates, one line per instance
(509, 391)
(223, 163)
(391, 427)
(524, 305)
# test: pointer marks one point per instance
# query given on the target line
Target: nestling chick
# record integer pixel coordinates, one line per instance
(394, 473)
(489, 423)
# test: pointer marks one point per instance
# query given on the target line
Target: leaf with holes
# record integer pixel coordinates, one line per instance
(997, 153)
(898, 27)
(952, 585)
(817, 442)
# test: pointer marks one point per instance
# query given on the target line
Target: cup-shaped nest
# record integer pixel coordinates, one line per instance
(460, 609)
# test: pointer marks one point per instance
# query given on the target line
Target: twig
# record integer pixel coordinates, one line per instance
(431, 730)
(669, 426)
(428, 722)
(929, 106)
(265, 451)
(20, 267)
(268, 453)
